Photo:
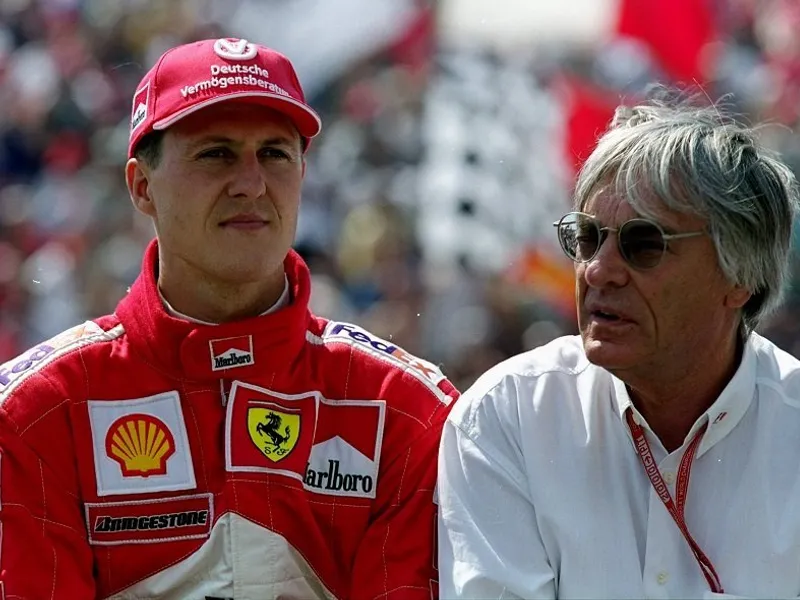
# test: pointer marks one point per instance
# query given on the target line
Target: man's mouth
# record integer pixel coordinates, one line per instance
(605, 316)
(244, 222)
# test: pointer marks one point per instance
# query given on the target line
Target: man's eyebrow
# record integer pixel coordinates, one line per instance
(212, 139)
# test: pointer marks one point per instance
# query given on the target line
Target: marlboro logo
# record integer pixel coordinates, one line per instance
(229, 353)
(139, 109)
(345, 457)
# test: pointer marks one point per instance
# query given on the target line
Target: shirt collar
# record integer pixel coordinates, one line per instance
(279, 304)
(182, 349)
(722, 416)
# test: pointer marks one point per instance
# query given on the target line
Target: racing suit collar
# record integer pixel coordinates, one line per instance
(198, 352)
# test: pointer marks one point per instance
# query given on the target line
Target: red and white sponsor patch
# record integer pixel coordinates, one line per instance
(149, 521)
(269, 432)
(229, 353)
(139, 109)
(346, 454)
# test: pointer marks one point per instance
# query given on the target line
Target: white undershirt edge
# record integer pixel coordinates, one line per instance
(279, 304)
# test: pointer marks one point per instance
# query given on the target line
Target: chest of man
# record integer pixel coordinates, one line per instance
(227, 489)
(608, 533)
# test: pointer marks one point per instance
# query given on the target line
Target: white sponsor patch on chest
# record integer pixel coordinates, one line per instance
(229, 353)
(140, 445)
(345, 457)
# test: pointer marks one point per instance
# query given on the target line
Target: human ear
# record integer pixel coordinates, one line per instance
(737, 297)
(137, 178)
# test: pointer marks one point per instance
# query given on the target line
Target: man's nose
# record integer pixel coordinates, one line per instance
(607, 267)
(248, 179)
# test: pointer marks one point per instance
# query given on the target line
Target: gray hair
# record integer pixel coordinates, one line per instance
(700, 161)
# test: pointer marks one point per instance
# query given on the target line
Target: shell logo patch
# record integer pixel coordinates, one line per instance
(141, 444)
(274, 432)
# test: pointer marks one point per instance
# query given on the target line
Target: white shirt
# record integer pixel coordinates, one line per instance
(542, 493)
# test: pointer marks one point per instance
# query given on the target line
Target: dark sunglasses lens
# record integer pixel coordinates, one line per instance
(641, 243)
(579, 236)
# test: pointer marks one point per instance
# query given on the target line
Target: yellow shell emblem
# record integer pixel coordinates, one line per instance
(274, 432)
(141, 444)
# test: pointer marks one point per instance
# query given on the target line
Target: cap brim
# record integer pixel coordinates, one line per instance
(306, 120)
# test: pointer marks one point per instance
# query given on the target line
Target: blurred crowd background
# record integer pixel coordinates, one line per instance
(452, 130)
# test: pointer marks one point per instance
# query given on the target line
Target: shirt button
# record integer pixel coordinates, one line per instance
(669, 477)
(662, 577)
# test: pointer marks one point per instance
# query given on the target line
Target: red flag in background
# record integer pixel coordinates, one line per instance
(677, 32)
(588, 111)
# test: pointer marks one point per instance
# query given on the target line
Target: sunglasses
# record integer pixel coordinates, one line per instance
(642, 242)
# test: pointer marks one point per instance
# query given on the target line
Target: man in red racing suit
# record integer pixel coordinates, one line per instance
(148, 454)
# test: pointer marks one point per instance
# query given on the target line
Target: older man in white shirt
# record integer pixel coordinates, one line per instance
(565, 472)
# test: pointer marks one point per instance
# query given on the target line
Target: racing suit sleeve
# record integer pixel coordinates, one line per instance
(396, 558)
(44, 552)
(489, 540)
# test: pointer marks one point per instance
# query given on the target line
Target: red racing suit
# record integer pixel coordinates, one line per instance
(282, 456)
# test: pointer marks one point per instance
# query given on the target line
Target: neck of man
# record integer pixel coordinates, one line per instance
(671, 402)
(210, 300)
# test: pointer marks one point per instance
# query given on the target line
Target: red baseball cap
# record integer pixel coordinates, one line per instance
(192, 76)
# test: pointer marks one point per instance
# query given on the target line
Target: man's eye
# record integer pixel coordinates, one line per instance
(215, 153)
(274, 153)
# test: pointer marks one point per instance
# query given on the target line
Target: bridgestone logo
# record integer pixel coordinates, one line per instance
(222, 362)
(333, 480)
(105, 524)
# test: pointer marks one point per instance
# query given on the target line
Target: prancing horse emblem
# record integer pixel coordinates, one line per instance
(274, 432)
(270, 428)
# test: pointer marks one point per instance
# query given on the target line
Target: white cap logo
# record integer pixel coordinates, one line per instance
(233, 49)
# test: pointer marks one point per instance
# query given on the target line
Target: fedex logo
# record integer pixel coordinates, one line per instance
(351, 332)
(9, 370)
(229, 353)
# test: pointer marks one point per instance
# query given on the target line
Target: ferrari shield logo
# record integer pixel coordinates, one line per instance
(274, 432)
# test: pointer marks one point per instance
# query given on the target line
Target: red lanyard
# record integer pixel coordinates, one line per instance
(675, 507)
